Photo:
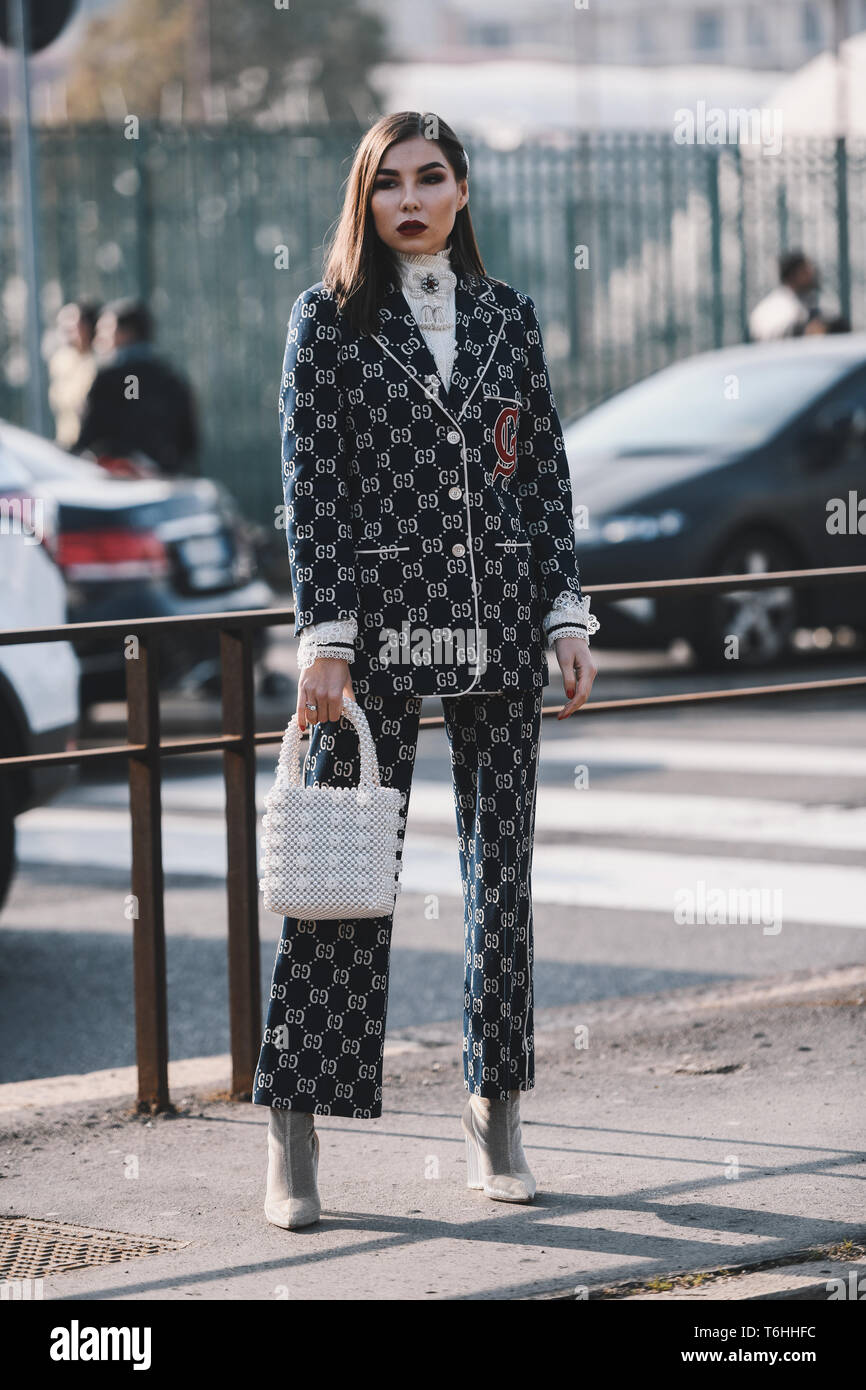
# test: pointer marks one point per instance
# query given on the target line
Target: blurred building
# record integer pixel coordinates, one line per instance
(774, 34)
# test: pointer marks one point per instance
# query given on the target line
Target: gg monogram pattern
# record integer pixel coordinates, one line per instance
(441, 521)
(322, 1049)
(432, 530)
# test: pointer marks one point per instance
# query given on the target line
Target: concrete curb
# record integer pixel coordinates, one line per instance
(121, 1083)
(794, 1282)
(809, 1278)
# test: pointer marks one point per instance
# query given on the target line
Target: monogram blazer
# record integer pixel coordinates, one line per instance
(439, 521)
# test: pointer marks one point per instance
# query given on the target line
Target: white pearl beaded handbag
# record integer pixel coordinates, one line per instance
(330, 852)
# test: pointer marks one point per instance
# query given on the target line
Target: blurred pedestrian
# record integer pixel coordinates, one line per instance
(786, 310)
(138, 403)
(72, 367)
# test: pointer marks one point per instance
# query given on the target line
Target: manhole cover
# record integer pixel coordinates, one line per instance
(30, 1249)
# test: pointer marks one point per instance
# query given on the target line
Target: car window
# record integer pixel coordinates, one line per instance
(850, 396)
(699, 405)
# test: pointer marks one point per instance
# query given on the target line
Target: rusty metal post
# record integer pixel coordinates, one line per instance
(239, 768)
(148, 929)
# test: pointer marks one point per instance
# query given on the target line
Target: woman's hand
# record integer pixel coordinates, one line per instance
(323, 684)
(573, 655)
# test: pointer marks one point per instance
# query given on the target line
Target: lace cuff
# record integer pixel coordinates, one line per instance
(570, 617)
(334, 638)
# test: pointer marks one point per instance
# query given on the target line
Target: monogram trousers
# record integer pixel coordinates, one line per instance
(323, 1044)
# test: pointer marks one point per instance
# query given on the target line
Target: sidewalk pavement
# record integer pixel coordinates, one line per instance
(687, 1137)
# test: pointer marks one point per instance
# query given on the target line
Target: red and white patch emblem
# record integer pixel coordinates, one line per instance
(505, 441)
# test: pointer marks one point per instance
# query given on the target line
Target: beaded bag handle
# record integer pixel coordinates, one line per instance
(288, 770)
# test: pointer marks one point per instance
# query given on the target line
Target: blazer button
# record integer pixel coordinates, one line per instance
(454, 492)
(453, 437)
(458, 549)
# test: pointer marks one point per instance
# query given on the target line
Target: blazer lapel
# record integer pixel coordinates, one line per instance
(400, 335)
(480, 323)
(478, 328)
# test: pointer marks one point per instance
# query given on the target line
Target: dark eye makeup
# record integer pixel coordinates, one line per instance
(385, 182)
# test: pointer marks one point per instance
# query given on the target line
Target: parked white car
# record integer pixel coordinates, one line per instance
(39, 681)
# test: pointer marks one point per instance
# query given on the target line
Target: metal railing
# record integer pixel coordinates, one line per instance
(238, 742)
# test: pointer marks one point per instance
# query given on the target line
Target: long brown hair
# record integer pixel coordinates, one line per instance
(360, 267)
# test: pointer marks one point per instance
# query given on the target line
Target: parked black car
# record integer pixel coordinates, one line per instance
(142, 548)
(751, 458)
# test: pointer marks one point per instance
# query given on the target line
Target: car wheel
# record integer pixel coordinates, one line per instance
(762, 620)
(7, 840)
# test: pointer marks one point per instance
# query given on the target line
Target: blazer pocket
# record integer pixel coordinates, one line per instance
(381, 549)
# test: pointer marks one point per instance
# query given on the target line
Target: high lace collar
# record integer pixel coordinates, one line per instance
(413, 270)
(427, 260)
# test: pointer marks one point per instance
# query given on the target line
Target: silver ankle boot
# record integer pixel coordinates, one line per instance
(518, 1157)
(292, 1198)
(495, 1159)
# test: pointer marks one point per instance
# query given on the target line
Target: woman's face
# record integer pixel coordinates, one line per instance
(416, 197)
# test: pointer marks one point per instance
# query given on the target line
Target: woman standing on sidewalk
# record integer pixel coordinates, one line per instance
(431, 544)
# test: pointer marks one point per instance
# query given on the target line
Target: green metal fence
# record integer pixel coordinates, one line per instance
(680, 241)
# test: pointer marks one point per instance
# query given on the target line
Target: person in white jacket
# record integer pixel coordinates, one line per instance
(71, 368)
(786, 310)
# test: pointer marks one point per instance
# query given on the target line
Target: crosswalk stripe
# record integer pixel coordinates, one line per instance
(595, 811)
(582, 875)
(643, 881)
(712, 755)
(590, 751)
(598, 811)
